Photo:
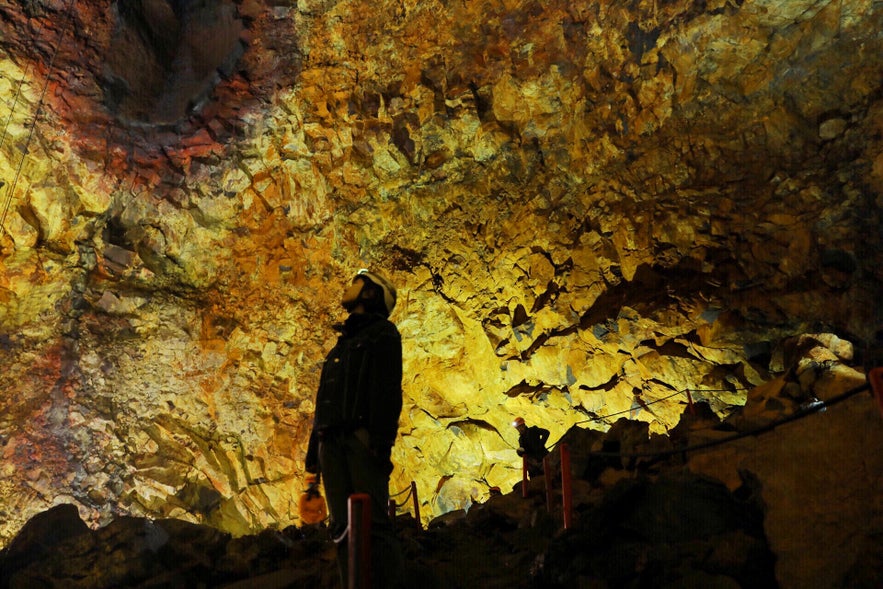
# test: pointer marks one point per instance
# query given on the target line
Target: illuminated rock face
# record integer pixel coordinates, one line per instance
(586, 208)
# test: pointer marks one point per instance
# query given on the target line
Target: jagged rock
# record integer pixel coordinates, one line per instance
(655, 524)
(668, 532)
(806, 468)
(56, 549)
(39, 539)
(585, 206)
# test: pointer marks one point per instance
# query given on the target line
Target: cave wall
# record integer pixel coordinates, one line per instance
(588, 209)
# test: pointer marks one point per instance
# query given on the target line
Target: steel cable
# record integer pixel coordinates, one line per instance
(816, 407)
(10, 192)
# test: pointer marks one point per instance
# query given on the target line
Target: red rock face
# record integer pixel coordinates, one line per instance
(148, 86)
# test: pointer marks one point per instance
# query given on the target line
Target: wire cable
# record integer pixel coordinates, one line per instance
(403, 491)
(21, 83)
(404, 502)
(10, 192)
(799, 414)
(675, 394)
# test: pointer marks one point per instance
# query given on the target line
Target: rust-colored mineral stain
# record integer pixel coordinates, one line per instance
(145, 86)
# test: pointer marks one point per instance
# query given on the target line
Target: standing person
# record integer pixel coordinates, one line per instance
(356, 420)
(532, 445)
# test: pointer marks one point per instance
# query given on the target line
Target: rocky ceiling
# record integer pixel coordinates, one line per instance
(589, 208)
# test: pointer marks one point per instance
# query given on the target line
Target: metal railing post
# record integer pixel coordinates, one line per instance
(391, 511)
(416, 504)
(524, 476)
(875, 377)
(359, 541)
(566, 490)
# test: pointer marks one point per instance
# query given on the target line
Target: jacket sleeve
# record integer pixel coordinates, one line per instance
(386, 388)
(312, 458)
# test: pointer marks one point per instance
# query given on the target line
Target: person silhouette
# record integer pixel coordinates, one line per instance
(355, 424)
(531, 445)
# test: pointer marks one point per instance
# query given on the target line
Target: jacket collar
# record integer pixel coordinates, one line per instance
(356, 322)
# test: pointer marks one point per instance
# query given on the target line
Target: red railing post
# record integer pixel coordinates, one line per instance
(391, 509)
(524, 476)
(566, 491)
(875, 377)
(416, 503)
(690, 403)
(547, 475)
(359, 541)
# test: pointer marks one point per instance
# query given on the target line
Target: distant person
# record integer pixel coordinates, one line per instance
(532, 445)
(356, 420)
(311, 506)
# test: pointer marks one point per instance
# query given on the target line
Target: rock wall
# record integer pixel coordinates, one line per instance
(588, 208)
(714, 504)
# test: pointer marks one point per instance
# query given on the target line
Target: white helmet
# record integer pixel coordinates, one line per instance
(389, 291)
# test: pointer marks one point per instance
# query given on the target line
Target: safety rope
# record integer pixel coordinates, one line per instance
(339, 538)
(404, 502)
(403, 491)
(10, 192)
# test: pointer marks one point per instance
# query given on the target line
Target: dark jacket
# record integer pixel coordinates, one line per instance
(533, 440)
(361, 385)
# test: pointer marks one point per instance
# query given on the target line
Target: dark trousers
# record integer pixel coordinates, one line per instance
(349, 467)
(534, 466)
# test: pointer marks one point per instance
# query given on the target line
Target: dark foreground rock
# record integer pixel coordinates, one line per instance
(680, 530)
(55, 549)
(642, 532)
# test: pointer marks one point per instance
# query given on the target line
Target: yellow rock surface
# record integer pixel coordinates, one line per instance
(587, 208)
